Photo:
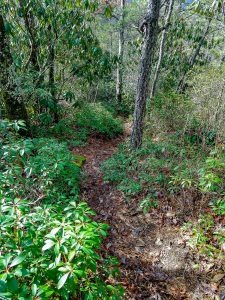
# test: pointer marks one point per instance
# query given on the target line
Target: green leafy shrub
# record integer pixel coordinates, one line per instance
(97, 119)
(147, 203)
(197, 133)
(206, 92)
(49, 243)
(170, 111)
(50, 252)
(208, 178)
(212, 175)
(40, 166)
(208, 235)
(63, 131)
(162, 168)
(145, 172)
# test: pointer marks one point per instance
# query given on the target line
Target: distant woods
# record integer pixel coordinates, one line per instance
(124, 54)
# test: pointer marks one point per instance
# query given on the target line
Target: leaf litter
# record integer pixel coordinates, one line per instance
(155, 261)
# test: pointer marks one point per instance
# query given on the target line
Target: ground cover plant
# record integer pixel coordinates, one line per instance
(208, 234)
(146, 173)
(80, 123)
(95, 118)
(164, 169)
(48, 242)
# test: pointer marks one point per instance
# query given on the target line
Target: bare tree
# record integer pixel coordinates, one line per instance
(150, 29)
(119, 83)
(162, 46)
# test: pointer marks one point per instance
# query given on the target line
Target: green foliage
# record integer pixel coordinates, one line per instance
(40, 167)
(63, 131)
(63, 44)
(98, 120)
(79, 123)
(146, 173)
(48, 241)
(208, 178)
(147, 203)
(170, 111)
(197, 133)
(208, 235)
(207, 93)
(54, 249)
(212, 174)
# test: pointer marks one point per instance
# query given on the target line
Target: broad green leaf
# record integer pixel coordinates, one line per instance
(2, 286)
(34, 289)
(62, 281)
(20, 258)
(22, 152)
(54, 231)
(71, 255)
(13, 285)
(6, 260)
(63, 269)
(48, 244)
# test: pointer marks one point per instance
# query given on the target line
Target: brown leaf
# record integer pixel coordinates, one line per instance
(218, 277)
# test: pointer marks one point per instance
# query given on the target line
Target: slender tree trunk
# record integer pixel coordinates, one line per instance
(162, 46)
(119, 83)
(52, 76)
(14, 105)
(30, 27)
(181, 85)
(34, 50)
(150, 29)
(111, 44)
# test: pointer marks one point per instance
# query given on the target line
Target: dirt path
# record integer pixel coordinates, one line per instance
(155, 262)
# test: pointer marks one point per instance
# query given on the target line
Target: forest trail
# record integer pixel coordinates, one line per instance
(155, 261)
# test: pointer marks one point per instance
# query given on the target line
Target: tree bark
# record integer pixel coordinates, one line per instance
(162, 46)
(151, 30)
(29, 25)
(14, 105)
(52, 77)
(119, 83)
(181, 85)
(31, 29)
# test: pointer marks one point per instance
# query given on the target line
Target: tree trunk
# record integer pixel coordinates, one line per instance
(161, 50)
(30, 27)
(119, 83)
(150, 29)
(34, 50)
(52, 77)
(181, 85)
(15, 108)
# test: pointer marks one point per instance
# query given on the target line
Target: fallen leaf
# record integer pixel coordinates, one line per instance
(158, 242)
(218, 277)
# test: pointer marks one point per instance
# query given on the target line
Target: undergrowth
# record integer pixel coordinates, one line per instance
(170, 167)
(78, 124)
(207, 235)
(98, 120)
(49, 246)
(146, 173)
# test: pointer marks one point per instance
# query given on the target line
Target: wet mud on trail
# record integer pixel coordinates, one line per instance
(155, 262)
